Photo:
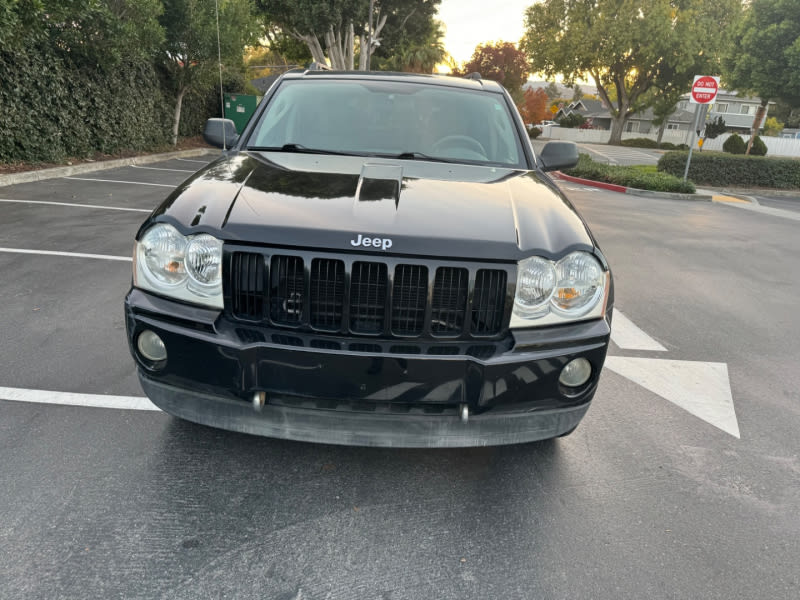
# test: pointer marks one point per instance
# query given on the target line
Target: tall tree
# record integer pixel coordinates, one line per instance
(342, 29)
(764, 56)
(552, 90)
(501, 62)
(625, 46)
(533, 107)
(192, 54)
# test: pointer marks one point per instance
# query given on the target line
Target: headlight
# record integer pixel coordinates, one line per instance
(536, 282)
(185, 268)
(549, 293)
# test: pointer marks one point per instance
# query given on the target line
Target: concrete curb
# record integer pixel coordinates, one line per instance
(627, 190)
(42, 174)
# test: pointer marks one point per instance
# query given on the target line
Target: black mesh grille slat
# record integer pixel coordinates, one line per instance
(367, 297)
(488, 301)
(409, 297)
(249, 292)
(327, 293)
(449, 302)
(287, 290)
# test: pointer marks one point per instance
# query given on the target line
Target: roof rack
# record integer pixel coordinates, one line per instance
(476, 76)
(318, 66)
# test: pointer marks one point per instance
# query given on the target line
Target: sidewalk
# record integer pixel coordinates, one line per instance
(90, 167)
(705, 194)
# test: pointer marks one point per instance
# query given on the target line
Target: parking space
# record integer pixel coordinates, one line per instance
(791, 203)
(65, 254)
(654, 496)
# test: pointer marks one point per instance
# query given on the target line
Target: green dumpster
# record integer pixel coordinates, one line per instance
(239, 108)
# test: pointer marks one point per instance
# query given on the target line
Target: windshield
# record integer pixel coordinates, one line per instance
(405, 120)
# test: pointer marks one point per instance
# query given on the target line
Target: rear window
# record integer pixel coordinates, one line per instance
(390, 118)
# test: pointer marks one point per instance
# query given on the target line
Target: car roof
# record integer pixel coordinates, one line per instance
(442, 80)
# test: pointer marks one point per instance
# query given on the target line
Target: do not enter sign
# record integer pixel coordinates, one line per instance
(704, 89)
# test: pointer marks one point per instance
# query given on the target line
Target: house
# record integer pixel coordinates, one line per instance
(597, 112)
(737, 112)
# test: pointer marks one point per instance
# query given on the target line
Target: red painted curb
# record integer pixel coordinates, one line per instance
(599, 184)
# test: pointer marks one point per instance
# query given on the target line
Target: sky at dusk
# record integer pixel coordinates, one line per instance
(473, 22)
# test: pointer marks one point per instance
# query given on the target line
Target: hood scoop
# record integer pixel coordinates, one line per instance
(377, 196)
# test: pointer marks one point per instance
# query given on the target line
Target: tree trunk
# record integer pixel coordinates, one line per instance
(369, 35)
(617, 126)
(762, 108)
(362, 56)
(177, 118)
(661, 129)
(351, 43)
(312, 42)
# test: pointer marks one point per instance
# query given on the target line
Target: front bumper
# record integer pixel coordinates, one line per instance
(373, 396)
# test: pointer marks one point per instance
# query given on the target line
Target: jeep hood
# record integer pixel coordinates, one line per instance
(424, 208)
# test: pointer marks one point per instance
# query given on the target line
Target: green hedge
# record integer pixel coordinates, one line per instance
(53, 110)
(639, 143)
(720, 169)
(634, 177)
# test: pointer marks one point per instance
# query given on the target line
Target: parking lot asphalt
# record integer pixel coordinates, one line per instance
(654, 496)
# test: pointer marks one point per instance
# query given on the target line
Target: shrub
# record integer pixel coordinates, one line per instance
(667, 146)
(639, 143)
(534, 132)
(718, 169)
(572, 120)
(635, 177)
(759, 148)
(682, 147)
(734, 145)
(715, 128)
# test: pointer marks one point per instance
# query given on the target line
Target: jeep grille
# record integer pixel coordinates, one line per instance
(391, 297)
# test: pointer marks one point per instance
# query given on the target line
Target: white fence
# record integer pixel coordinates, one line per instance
(775, 146)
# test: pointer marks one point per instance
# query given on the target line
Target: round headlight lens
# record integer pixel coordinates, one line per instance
(536, 281)
(580, 284)
(162, 250)
(204, 259)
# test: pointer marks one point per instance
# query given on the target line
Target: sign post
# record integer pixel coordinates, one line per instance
(704, 90)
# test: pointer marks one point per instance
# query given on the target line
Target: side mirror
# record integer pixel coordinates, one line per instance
(220, 133)
(558, 155)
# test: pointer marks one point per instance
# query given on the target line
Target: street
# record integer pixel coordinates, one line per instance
(683, 481)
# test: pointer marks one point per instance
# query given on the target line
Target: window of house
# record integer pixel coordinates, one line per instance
(721, 107)
(672, 126)
(746, 109)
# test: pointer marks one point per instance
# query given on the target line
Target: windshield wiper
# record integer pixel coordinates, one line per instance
(415, 156)
(300, 149)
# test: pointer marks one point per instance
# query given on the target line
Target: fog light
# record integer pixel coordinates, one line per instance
(151, 346)
(576, 373)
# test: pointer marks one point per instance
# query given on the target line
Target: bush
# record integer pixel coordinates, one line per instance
(667, 146)
(682, 147)
(572, 120)
(759, 148)
(639, 143)
(734, 145)
(718, 169)
(534, 132)
(635, 177)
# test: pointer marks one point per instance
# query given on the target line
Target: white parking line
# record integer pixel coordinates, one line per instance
(69, 254)
(162, 169)
(628, 336)
(117, 181)
(205, 162)
(70, 399)
(145, 210)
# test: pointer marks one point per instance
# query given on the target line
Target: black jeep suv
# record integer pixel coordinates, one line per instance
(378, 259)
